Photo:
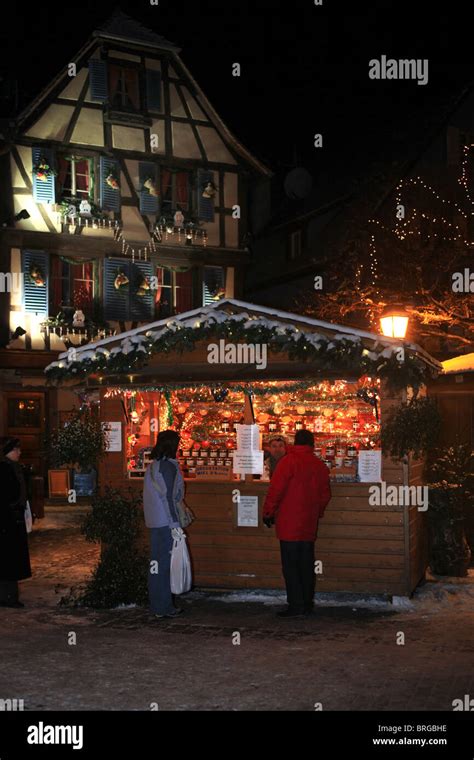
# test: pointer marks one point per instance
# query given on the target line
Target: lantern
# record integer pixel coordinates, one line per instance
(394, 321)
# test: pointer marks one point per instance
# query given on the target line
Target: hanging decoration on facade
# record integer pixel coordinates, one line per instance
(179, 218)
(143, 288)
(43, 171)
(112, 181)
(209, 190)
(37, 276)
(121, 281)
(150, 185)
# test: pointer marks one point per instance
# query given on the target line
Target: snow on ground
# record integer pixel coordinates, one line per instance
(437, 595)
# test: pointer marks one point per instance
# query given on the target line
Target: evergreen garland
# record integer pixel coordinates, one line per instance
(345, 355)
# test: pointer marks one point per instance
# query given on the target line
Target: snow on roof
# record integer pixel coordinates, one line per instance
(463, 363)
(230, 308)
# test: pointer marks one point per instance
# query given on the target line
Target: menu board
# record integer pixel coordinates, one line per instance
(113, 432)
(370, 466)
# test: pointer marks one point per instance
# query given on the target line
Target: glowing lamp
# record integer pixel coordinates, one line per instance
(394, 322)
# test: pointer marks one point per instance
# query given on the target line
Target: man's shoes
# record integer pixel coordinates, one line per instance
(290, 614)
(171, 614)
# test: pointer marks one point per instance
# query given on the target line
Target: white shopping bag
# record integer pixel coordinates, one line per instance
(180, 563)
(28, 518)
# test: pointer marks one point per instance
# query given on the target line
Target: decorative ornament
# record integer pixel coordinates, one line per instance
(78, 319)
(179, 219)
(134, 416)
(210, 190)
(112, 181)
(301, 410)
(181, 409)
(263, 417)
(143, 288)
(227, 414)
(85, 208)
(203, 412)
(43, 171)
(277, 409)
(37, 276)
(121, 281)
(205, 444)
(219, 394)
(150, 185)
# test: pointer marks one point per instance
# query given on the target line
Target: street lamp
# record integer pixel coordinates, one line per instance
(394, 321)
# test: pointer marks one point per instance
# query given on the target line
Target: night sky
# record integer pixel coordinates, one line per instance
(304, 68)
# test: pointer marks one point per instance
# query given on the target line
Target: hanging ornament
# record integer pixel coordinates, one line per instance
(203, 412)
(210, 190)
(277, 409)
(121, 281)
(134, 416)
(227, 413)
(112, 181)
(219, 394)
(263, 417)
(178, 219)
(144, 287)
(150, 185)
(301, 409)
(37, 276)
(181, 409)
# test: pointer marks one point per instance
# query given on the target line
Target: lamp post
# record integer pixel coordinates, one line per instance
(394, 321)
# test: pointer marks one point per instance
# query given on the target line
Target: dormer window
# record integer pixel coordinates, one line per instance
(124, 88)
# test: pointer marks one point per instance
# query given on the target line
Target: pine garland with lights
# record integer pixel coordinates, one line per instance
(344, 355)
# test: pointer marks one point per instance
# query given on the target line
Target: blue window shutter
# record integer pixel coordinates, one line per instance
(98, 80)
(116, 301)
(109, 198)
(43, 192)
(141, 306)
(205, 205)
(213, 281)
(149, 204)
(153, 90)
(35, 297)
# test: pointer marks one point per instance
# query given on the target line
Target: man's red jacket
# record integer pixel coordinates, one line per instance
(299, 493)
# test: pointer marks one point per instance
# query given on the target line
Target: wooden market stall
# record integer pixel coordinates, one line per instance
(207, 371)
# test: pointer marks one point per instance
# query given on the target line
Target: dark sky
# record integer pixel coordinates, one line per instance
(304, 68)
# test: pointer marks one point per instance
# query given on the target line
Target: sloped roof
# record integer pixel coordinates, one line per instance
(233, 308)
(463, 363)
(124, 28)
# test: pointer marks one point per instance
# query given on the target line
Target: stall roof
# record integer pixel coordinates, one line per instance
(464, 363)
(244, 309)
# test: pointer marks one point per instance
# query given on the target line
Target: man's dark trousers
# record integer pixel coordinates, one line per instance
(297, 559)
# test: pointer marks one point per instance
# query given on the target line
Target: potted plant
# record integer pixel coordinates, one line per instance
(451, 503)
(80, 443)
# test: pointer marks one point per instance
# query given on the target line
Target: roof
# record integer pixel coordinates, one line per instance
(463, 363)
(230, 308)
(125, 29)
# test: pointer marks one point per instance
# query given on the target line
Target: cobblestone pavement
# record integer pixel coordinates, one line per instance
(345, 658)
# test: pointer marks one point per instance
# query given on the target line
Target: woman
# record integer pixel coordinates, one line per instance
(14, 554)
(163, 489)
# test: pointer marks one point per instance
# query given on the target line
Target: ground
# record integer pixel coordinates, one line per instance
(344, 658)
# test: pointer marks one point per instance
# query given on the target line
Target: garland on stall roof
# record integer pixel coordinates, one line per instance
(342, 353)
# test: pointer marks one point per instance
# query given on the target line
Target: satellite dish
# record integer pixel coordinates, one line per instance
(298, 184)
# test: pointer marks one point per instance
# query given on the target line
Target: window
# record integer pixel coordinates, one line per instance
(213, 285)
(24, 412)
(75, 177)
(124, 88)
(295, 245)
(174, 294)
(128, 290)
(175, 191)
(72, 286)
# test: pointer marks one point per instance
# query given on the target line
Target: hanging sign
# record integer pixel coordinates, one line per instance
(247, 512)
(370, 466)
(114, 436)
(248, 462)
(248, 437)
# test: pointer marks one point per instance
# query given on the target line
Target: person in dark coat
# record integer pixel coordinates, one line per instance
(298, 495)
(14, 553)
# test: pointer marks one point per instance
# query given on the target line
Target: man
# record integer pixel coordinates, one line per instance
(298, 495)
(276, 450)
